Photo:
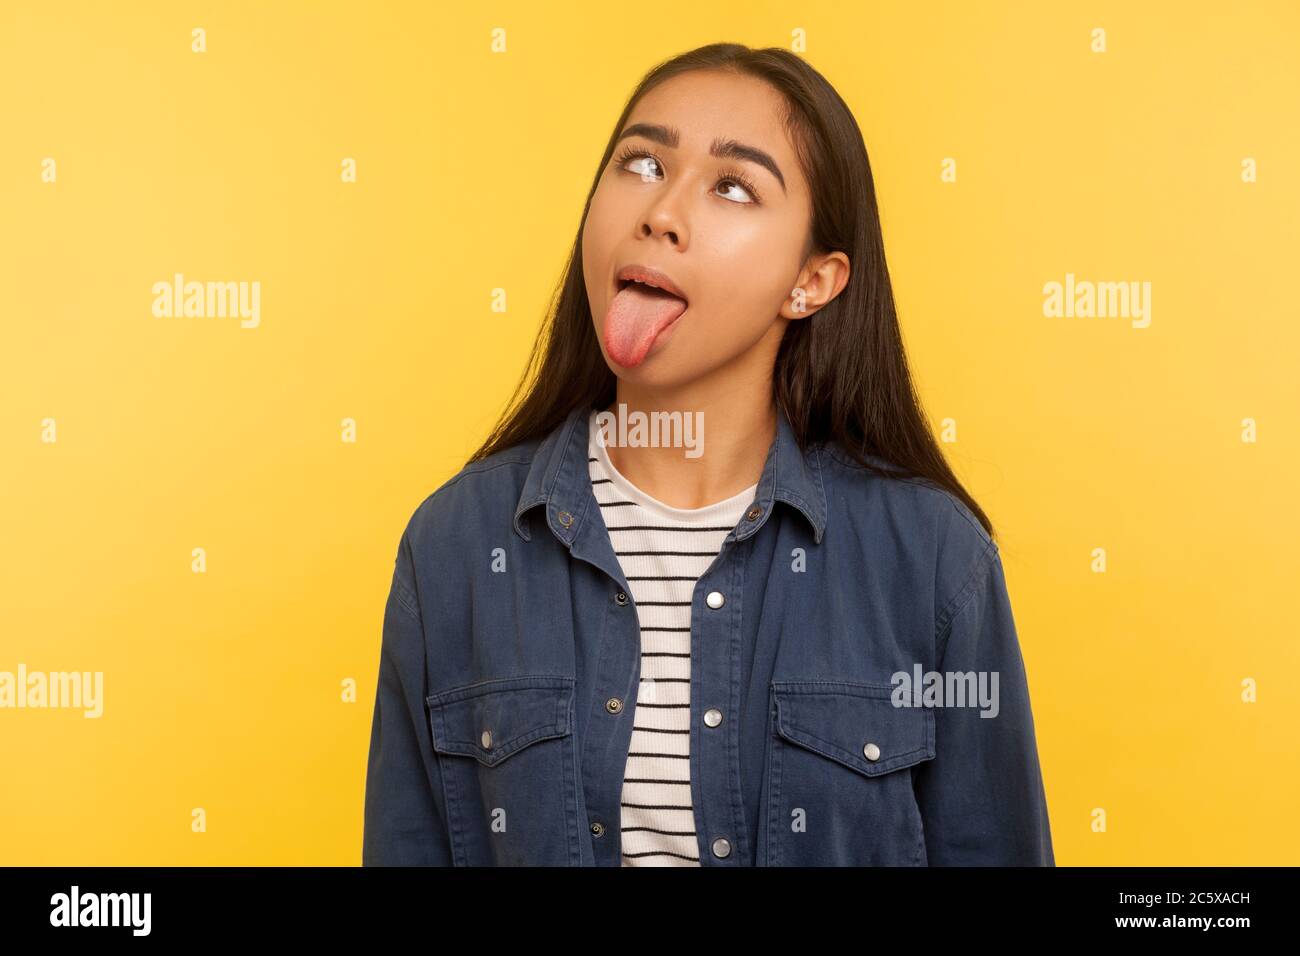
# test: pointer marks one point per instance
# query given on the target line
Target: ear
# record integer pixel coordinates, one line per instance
(822, 278)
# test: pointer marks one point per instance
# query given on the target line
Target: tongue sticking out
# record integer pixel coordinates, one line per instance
(634, 320)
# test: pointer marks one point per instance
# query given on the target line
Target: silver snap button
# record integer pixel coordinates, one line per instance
(871, 752)
(713, 717)
(721, 848)
(598, 829)
(486, 740)
(621, 598)
(715, 599)
(614, 705)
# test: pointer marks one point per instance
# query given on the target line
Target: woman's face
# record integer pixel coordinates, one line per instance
(729, 231)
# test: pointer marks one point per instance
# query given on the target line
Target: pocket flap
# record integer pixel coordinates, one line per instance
(493, 719)
(843, 721)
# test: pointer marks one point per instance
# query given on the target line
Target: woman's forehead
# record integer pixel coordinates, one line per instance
(704, 105)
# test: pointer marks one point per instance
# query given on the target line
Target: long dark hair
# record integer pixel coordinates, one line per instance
(841, 374)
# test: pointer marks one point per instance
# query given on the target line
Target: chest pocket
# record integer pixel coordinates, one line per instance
(507, 758)
(839, 791)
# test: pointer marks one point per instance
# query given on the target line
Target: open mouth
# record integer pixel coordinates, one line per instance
(638, 314)
(648, 289)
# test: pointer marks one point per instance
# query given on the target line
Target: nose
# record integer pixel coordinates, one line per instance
(649, 229)
(666, 218)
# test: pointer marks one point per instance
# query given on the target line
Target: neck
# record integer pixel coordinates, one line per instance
(737, 427)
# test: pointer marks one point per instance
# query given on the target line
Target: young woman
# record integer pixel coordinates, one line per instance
(782, 635)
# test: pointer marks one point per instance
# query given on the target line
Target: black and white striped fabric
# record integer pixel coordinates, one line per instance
(663, 551)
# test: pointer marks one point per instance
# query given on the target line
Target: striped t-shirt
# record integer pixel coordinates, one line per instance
(663, 551)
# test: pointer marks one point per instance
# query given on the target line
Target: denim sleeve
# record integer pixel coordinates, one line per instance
(982, 800)
(403, 799)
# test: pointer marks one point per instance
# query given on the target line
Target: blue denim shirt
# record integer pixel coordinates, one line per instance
(510, 664)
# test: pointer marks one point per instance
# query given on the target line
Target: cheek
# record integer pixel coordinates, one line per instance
(592, 256)
(597, 239)
(751, 280)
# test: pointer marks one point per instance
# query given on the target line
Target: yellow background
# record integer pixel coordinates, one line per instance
(223, 689)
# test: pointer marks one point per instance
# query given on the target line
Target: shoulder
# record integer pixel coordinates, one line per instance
(473, 499)
(928, 505)
(928, 524)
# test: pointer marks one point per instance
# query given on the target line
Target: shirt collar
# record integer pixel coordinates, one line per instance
(560, 479)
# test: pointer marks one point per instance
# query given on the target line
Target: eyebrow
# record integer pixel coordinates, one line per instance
(722, 148)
